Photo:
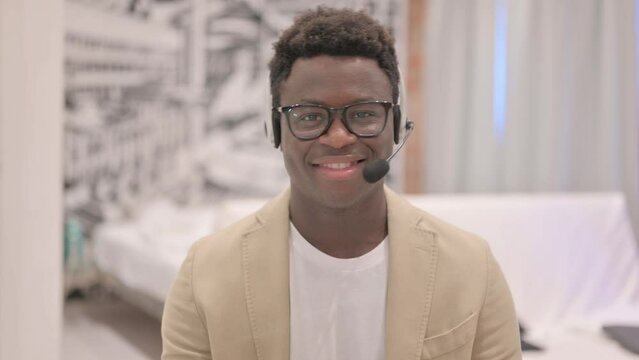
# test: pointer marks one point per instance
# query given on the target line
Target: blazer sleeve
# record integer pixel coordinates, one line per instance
(184, 334)
(497, 336)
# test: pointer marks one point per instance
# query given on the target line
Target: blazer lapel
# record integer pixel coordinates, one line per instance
(265, 262)
(413, 261)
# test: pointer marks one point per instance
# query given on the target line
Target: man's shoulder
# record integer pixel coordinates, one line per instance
(451, 235)
(228, 240)
(228, 236)
(450, 239)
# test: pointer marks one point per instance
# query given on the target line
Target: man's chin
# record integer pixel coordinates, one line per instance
(338, 199)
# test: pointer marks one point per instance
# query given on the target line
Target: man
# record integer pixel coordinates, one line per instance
(336, 267)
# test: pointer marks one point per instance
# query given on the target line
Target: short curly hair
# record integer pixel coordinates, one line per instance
(330, 31)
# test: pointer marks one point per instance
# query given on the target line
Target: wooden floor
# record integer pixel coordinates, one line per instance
(107, 328)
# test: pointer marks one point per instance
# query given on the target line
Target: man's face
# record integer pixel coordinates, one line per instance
(328, 170)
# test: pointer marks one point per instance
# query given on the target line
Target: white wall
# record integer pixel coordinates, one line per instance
(31, 102)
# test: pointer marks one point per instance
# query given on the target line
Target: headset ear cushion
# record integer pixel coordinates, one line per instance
(397, 123)
(277, 129)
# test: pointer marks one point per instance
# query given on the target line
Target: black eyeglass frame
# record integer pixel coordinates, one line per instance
(331, 117)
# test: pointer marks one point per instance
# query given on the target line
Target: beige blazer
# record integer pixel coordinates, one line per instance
(447, 298)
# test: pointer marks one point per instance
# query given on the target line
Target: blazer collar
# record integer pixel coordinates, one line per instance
(413, 260)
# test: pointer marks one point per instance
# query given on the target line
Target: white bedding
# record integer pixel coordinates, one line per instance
(146, 254)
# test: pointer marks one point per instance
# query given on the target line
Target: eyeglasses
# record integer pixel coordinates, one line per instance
(364, 119)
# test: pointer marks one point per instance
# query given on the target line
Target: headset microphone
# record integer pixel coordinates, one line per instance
(377, 169)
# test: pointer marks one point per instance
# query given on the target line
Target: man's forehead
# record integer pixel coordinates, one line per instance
(325, 61)
(322, 68)
(325, 76)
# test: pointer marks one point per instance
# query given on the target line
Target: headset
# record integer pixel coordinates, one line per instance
(273, 126)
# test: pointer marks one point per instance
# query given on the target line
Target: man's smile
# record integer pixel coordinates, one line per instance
(340, 167)
(338, 162)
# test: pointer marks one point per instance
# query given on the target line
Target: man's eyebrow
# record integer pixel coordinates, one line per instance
(311, 102)
(318, 102)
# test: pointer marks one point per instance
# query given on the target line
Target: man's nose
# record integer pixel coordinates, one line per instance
(338, 135)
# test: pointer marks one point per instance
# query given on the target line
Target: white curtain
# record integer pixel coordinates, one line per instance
(532, 95)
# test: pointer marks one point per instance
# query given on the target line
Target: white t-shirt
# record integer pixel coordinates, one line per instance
(338, 306)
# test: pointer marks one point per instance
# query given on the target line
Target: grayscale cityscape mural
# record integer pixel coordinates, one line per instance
(167, 98)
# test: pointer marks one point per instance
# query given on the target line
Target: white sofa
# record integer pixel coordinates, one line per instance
(571, 260)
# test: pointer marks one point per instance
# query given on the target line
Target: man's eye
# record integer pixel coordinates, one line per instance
(310, 118)
(363, 114)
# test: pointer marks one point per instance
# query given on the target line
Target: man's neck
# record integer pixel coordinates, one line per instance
(341, 232)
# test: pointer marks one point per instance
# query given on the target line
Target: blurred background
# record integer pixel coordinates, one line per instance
(130, 128)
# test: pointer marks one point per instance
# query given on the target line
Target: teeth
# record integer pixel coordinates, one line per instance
(337, 166)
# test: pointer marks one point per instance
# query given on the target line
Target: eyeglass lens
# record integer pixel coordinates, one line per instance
(309, 121)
